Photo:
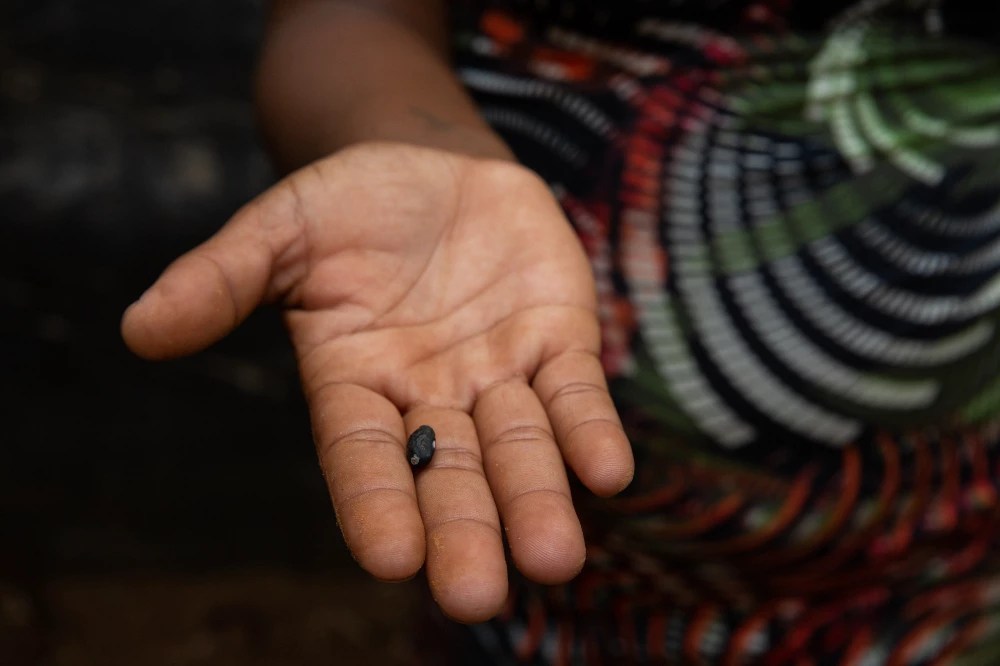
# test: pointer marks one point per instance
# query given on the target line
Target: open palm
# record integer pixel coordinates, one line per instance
(422, 287)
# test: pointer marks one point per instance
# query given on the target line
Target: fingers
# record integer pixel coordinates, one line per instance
(526, 474)
(466, 567)
(207, 292)
(574, 392)
(360, 439)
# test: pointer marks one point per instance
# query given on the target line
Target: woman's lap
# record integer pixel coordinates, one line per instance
(794, 237)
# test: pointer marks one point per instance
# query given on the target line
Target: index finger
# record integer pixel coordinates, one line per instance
(360, 441)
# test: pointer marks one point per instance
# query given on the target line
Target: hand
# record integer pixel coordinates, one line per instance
(422, 287)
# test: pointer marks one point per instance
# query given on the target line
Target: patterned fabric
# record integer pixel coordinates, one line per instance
(793, 216)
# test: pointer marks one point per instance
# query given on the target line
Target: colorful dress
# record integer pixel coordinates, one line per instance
(793, 215)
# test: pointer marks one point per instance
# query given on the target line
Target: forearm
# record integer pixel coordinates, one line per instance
(338, 72)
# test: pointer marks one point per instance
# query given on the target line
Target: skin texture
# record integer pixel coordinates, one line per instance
(421, 286)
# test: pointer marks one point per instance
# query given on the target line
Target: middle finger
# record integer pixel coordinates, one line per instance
(465, 561)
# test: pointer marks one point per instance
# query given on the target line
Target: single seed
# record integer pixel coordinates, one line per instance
(420, 446)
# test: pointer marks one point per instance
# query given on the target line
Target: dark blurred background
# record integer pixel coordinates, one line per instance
(151, 513)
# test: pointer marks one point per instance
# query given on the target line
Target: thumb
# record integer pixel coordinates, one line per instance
(209, 291)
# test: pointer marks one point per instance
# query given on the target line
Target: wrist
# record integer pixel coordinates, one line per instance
(420, 125)
(333, 75)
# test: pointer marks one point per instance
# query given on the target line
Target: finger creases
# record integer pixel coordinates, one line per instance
(466, 567)
(360, 440)
(526, 474)
(574, 392)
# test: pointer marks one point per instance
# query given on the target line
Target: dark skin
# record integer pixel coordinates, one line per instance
(426, 278)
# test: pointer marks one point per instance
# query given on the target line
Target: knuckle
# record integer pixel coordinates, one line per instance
(464, 521)
(349, 501)
(536, 493)
(458, 459)
(590, 422)
(522, 433)
(367, 436)
(577, 389)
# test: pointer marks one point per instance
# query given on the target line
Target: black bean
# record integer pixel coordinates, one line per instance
(420, 446)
